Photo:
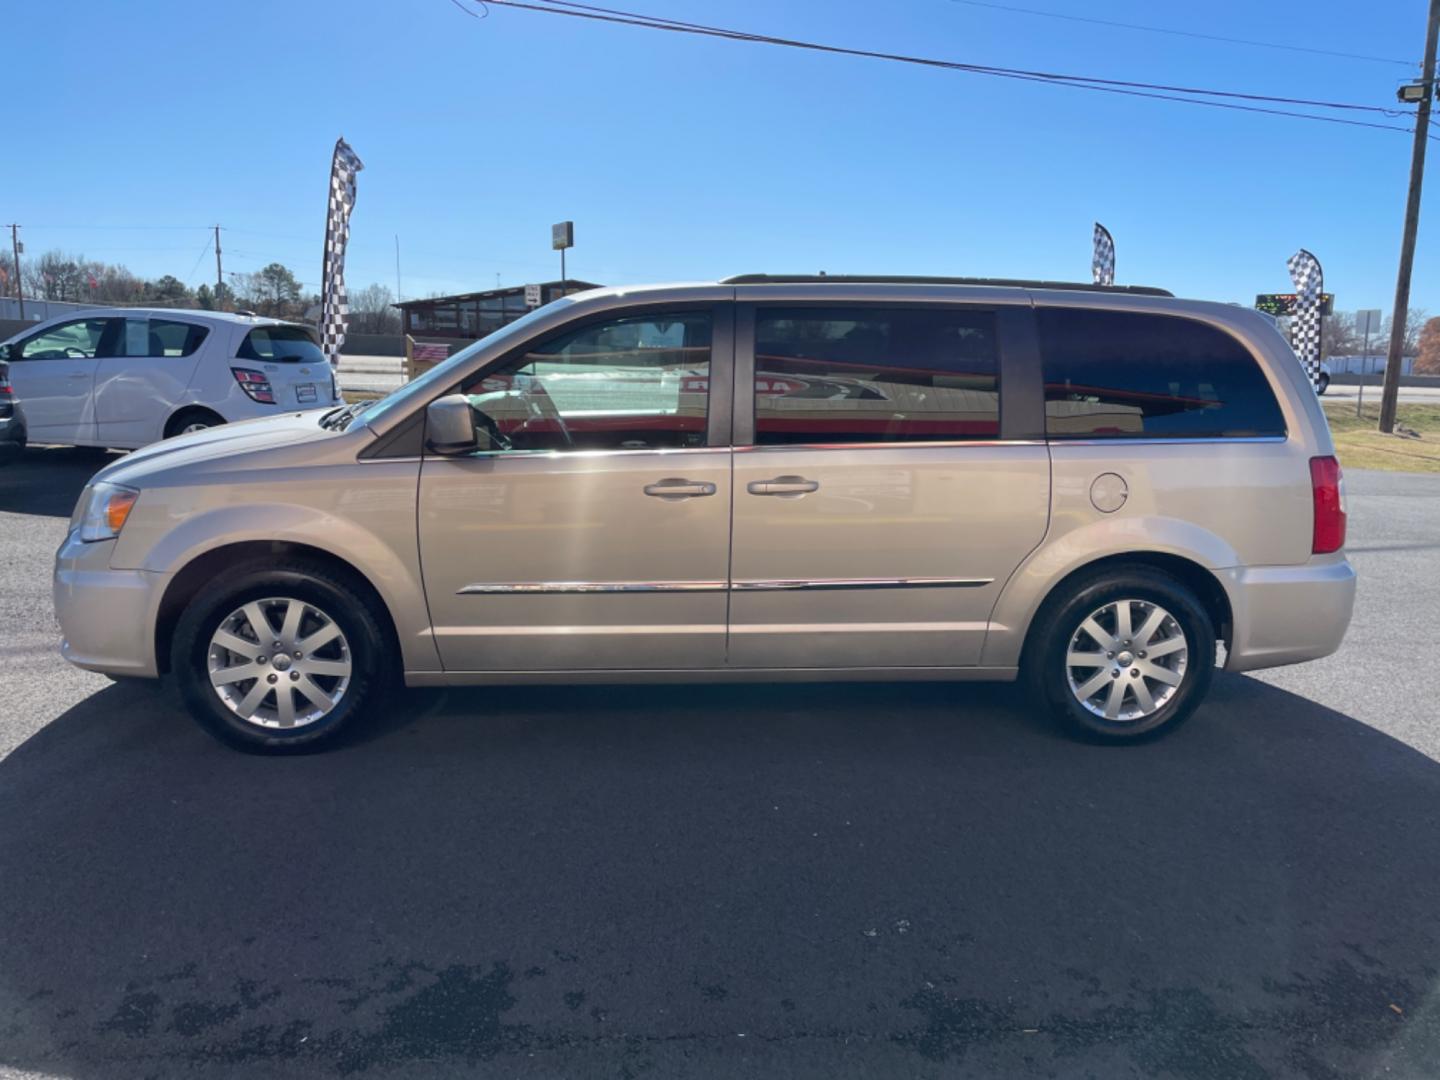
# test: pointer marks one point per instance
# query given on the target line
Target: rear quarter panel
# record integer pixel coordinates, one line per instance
(1220, 503)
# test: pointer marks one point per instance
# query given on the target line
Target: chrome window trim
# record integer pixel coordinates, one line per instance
(572, 588)
(942, 444)
(658, 451)
(1141, 440)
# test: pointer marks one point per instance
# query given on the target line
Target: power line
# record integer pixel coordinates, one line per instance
(1187, 33)
(1131, 88)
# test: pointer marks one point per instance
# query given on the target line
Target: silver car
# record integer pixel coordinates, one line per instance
(1105, 491)
(126, 377)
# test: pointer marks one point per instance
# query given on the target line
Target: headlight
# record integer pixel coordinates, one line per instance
(106, 506)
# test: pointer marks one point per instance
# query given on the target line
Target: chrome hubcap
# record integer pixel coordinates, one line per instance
(196, 426)
(279, 663)
(1126, 660)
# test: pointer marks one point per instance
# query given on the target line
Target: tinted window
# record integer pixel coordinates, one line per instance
(162, 337)
(280, 343)
(1117, 374)
(875, 375)
(174, 338)
(639, 382)
(82, 339)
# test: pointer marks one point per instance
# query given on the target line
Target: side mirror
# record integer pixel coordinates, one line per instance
(450, 426)
(4, 352)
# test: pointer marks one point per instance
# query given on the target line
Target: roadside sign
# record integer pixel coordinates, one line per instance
(532, 296)
(1283, 304)
(1367, 321)
(562, 235)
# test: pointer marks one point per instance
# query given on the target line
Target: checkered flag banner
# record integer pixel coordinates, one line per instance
(1102, 263)
(1309, 283)
(334, 308)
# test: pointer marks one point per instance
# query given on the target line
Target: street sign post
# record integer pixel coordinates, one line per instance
(1367, 322)
(532, 296)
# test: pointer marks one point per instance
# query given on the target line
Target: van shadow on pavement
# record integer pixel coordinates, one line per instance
(894, 880)
(47, 480)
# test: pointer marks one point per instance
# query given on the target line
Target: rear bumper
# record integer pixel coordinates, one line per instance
(107, 617)
(1287, 614)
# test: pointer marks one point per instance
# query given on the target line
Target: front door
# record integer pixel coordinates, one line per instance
(595, 533)
(878, 510)
(53, 375)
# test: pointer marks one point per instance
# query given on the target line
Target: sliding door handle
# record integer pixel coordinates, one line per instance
(783, 485)
(675, 487)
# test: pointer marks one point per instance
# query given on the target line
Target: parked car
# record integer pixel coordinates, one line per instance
(126, 377)
(12, 420)
(1106, 492)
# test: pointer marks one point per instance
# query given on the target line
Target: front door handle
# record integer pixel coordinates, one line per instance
(783, 485)
(676, 487)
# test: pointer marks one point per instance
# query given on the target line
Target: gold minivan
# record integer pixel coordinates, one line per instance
(1106, 491)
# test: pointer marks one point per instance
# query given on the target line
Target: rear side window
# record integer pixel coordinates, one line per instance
(174, 338)
(1117, 374)
(162, 338)
(280, 343)
(869, 375)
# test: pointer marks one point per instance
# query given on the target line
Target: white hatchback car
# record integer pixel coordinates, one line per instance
(127, 377)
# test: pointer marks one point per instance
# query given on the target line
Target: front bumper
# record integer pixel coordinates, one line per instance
(1288, 614)
(107, 617)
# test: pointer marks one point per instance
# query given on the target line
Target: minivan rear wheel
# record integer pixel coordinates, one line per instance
(1123, 656)
(278, 659)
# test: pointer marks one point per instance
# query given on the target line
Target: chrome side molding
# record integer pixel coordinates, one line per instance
(571, 587)
(744, 585)
(747, 585)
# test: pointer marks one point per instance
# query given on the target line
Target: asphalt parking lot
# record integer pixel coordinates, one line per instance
(914, 880)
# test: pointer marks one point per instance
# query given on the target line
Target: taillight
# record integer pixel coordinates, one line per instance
(5, 390)
(255, 384)
(1328, 490)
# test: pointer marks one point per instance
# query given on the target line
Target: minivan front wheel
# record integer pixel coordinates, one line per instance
(1124, 656)
(279, 658)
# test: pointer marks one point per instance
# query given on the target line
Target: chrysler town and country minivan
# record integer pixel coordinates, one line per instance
(1108, 492)
(125, 377)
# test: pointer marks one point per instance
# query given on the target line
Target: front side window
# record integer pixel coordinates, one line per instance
(79, 340)
(284, 343)
(867, 375)
(1118, 374)
(638, 382)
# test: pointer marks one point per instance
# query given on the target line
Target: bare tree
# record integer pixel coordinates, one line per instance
(371, 311)
(1413, 325)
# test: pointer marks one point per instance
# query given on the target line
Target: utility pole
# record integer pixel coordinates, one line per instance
(219, 277)
(17, 247)
(1400, 313)
(398, 294)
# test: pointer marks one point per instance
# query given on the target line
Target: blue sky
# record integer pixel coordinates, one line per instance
(685, 158)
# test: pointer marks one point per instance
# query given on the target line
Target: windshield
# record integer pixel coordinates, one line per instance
(442, 373)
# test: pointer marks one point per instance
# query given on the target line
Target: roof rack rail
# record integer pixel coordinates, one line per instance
(889, 279)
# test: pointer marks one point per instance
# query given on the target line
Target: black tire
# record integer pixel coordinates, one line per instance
(187, 417)
(345, 600)
(1060, 619)
(1323, 384)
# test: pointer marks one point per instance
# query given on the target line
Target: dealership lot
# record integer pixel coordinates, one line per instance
(793, 880)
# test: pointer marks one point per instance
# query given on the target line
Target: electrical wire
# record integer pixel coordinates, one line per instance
(656, 22)
(1129, 88)
(1188, 33)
